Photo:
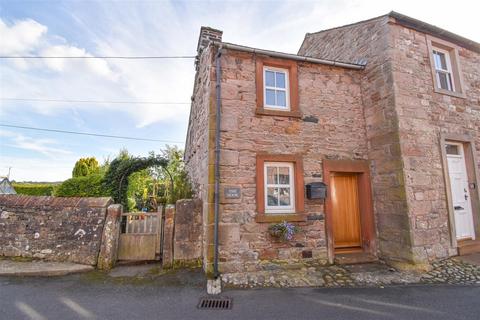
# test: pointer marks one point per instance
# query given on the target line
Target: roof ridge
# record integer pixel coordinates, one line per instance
(351, 24)
(416, 24)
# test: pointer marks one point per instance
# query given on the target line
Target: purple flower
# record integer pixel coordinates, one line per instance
(284, 229)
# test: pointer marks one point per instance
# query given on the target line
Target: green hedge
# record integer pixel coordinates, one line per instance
(89, 186)
(34, 189)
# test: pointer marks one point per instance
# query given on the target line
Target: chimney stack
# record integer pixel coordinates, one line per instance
(207, 35)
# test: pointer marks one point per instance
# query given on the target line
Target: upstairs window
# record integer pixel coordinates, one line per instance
(446, 69)
(443, 69)
(276, 88)
(276, 83)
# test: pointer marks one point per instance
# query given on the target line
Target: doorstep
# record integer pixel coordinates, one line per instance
(473, 258)
(468, 247)
(354, 258)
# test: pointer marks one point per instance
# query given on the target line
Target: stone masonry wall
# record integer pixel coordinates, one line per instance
(183, 233)
(199, 145)
(371, 40)
(332, 127)
(51, 228)
(196, 147)
(423, 116)
(187, 241)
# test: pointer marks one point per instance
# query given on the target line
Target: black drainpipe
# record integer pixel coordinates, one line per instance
(217, 162)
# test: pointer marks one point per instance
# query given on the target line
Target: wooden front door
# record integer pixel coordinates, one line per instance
(347, 231)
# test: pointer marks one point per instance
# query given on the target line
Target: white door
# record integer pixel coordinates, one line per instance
(460, 195)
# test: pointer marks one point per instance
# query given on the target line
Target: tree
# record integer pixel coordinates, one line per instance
(175, 173)
(85, 166)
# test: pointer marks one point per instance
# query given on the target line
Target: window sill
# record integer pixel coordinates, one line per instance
(289, 217)
(451, 93)
(279, 113)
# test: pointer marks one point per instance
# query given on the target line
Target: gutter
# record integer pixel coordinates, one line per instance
(217, 160)
(424, 27)
(359, 66)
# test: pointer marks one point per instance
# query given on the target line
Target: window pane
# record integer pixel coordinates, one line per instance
(285, 196)
(449, 82)
(452, 149)
(270, 78)
(283, 175)
(440, 60)
(280, 80)
(436, 58)
(443, 62)
(272, 196)
(281, 99)
(442, 80)
(270, 97)
(272, 175)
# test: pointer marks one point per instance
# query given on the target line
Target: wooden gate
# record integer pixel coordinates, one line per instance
(140, 236)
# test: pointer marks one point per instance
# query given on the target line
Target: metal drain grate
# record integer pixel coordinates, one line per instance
(221, 303)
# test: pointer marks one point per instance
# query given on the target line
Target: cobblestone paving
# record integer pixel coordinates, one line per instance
(450, 271)
(453, 271)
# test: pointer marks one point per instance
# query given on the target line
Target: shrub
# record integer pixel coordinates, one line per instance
(85, 166)
(34, 189)
(89, 186)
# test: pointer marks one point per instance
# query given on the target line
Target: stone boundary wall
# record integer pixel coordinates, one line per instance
(183, 233)
(187, 241)
(52, 228)
(168, 234)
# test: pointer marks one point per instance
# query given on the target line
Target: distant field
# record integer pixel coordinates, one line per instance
(35, 189)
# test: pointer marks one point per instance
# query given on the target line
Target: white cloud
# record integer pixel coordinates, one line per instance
(47, 147)
(22, 37)
(97, 79)
(97, 66)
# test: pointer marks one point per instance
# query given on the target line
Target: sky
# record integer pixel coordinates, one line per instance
(143, 28)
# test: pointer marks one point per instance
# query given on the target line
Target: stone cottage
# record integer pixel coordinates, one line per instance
(385, 112)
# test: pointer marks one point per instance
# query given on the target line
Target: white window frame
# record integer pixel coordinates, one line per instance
(291, 185)
(286, 89)
(448, 71)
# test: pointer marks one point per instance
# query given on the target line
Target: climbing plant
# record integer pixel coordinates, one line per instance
(116, 178)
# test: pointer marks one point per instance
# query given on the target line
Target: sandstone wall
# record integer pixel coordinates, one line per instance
(187, 241)
(196, 146)
(423, 116)
(332, 127)
(199, 159)
(57, 229)
(372, 40)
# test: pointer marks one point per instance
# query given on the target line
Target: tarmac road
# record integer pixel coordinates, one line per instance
(84, 297)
